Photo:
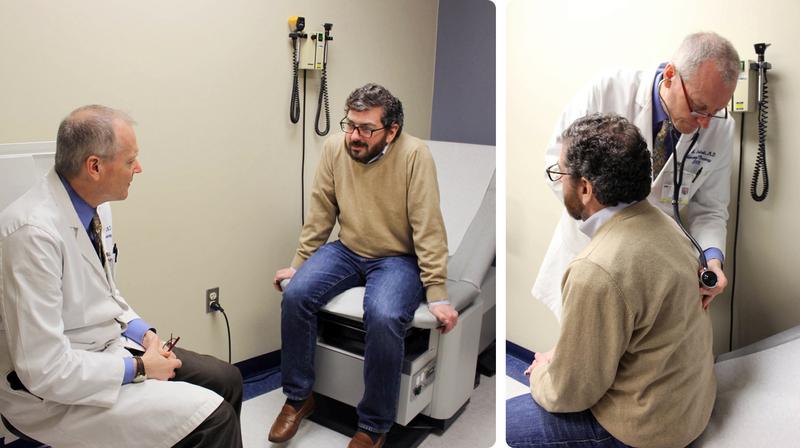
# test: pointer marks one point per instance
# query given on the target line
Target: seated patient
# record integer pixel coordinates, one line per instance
(68, 379)
(633, 363)
(380, 183)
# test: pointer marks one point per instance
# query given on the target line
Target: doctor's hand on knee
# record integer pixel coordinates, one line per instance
(158, 367)
(708, 295)
(446, 315)
(282, 275)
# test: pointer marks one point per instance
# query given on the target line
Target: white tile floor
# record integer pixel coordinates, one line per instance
(473, 428)
(514, 388)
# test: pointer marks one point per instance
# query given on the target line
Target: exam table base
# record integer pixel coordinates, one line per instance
(342, 418)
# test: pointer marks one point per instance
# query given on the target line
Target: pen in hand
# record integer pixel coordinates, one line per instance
(172, 343)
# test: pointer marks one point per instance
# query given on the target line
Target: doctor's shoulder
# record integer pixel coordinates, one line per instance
(29, 211)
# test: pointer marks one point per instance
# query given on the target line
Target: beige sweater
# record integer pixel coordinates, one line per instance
(387, 208)
(635, 343)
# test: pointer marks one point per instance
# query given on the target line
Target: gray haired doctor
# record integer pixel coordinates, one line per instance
(685, 96)
(80, 368)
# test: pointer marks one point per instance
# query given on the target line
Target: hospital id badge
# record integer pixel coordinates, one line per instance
(666, 194)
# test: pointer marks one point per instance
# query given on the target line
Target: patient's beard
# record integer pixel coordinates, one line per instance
(573, 204)
(365, 156)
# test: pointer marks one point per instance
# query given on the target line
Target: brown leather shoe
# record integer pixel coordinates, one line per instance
(363, 440)
(288, 421)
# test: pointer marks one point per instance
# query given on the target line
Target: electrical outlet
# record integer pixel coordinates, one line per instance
(212, 295)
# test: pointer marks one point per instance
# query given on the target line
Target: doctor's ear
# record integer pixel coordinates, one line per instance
(93, 166)
(669, 73)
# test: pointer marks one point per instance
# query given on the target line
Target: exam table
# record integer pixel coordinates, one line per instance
(438, 373)
(758, 395)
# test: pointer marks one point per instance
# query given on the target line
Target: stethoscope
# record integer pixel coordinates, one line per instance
(708, 279)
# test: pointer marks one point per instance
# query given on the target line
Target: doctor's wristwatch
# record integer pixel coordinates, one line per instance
(140, 375)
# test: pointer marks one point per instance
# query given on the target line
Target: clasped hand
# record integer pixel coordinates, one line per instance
(159, 364)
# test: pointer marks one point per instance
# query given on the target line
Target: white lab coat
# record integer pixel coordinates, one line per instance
(61, 317)
(704, 205)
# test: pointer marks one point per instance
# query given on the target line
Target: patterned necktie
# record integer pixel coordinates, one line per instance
(660, 150)
(97, 237)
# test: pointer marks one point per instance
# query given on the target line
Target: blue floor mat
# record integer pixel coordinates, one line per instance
(515, 368)
(262, 383)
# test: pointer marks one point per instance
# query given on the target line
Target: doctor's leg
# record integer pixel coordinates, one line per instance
(332, 270)
(218, 430)
(393, 293)
(211, 373)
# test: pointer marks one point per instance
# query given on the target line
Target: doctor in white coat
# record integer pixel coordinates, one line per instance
(692, 91)
(68, 378)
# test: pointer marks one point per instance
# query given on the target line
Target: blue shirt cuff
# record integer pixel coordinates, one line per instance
(136, 330)
(713, 252)
(130, 370)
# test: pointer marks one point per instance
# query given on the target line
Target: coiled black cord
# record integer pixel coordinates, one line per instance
(294, 103)
(323, 101)
(761, 156)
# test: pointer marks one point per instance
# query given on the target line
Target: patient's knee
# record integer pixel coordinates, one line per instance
(385, 320)
(297, 298)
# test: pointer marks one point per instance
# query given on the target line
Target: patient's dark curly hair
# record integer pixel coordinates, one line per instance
(611, 153)
(374, 95)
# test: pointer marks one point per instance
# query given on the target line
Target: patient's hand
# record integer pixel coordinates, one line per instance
(708, 295)
(540, 358)
(446, 314)
(281, 275)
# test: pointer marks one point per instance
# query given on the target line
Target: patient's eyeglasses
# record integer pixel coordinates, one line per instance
(553, 174)
(349, 127)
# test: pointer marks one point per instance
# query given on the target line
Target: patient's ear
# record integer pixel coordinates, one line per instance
(392, 132)
(585, 190)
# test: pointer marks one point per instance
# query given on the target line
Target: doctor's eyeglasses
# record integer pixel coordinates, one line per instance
(553, 172)
(722, 113)
(171, 343)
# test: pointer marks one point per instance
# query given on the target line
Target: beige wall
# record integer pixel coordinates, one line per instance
(556, 47)
(209, 84)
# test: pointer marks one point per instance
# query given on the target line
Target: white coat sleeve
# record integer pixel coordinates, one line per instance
(32, 301)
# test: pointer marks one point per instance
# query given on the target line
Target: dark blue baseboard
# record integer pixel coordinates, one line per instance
(259, 365)
(261, 374)
(519, 352)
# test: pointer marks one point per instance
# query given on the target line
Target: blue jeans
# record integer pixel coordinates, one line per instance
(393, 293)
(529, 425)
